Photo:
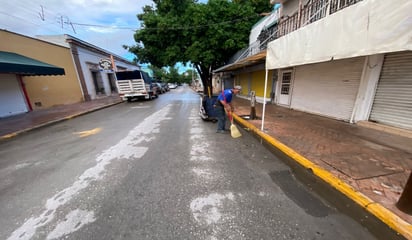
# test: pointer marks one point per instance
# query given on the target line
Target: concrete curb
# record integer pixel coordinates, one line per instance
(14, 134)
(386, 216)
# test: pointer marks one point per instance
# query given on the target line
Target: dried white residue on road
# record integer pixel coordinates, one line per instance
(127, 148)
(208, 210)
(73, 221)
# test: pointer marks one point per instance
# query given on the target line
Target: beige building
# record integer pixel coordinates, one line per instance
(42, 72)
(22, 91)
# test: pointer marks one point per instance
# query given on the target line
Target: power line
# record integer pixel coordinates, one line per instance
(102, 26)
(24, 15)
(17, 17)
(44, 15)
(167, 28)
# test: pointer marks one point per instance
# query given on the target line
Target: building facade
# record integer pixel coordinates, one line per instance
(346, 60)
(24, 86)
(22, 91)
(350, 61)
(95, 82)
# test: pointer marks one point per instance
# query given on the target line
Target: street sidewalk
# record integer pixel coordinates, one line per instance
(14, 125)
(369, 166)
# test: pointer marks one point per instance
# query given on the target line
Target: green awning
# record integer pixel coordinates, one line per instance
(19, 64)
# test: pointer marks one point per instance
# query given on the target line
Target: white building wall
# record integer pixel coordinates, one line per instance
(365, 28)
(87, 60)
(366, 93)
(266, 21)
(328, 89)
(290, 7)
(90, 60)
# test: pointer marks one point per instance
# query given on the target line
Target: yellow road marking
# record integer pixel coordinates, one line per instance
(9, 135)
(88, 132)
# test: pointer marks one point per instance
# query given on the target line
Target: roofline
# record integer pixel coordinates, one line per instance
(245, 62)
(77, 41)
(34, 38)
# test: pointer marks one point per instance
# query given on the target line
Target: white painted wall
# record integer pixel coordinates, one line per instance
(367, 89)
(365, 28)
(87, 60)
(264, 22)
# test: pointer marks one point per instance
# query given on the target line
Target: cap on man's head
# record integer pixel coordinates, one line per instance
(238, 87)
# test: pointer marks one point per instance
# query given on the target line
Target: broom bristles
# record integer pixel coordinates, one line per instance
(234, 131)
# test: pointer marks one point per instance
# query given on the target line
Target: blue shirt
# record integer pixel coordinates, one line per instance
(228, 96)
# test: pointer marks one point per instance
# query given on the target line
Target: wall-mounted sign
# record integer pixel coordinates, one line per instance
(106, 64)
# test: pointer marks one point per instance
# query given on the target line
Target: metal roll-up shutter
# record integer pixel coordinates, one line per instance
(328, 89)
(11, 96)
(393, 99)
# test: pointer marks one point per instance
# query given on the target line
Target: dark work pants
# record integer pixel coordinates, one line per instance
(221, 117)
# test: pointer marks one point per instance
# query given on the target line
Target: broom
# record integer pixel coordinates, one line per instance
(233, 129)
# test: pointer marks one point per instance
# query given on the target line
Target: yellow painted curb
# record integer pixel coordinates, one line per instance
(386, 216)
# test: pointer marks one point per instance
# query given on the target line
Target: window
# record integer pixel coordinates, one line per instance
(285, 85)
(98, 82)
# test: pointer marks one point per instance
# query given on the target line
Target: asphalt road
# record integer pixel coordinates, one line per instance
(155, 170)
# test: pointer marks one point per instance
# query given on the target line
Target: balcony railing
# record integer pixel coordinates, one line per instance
(309, 13)
(337, 5)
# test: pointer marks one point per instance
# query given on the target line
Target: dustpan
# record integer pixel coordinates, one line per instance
(234, 131)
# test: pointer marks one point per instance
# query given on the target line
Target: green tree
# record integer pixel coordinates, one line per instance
(207, 35)
(173, 75)
(188, 76)
(159, 74)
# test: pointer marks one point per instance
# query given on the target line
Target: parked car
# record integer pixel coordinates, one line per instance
(165, 86)
(172, 85)
(156, 90)
(160, 88)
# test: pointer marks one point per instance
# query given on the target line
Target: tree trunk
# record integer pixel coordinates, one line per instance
(206, 77)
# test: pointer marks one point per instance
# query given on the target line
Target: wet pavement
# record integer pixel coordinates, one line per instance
(375, 164)
(368, 165)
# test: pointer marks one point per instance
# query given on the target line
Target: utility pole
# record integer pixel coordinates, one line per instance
(193, 69)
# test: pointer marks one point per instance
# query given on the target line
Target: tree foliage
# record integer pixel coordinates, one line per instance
(159, 74)
(172, 75)
(205, 34)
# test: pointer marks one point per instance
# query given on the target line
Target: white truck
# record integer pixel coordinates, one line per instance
(135, 85)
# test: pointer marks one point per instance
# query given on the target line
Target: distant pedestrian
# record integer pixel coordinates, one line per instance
(224, 105)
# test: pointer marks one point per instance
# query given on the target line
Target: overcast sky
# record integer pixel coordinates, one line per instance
(45, 17)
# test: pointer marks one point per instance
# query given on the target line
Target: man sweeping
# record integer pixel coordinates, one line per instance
(224, 105)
